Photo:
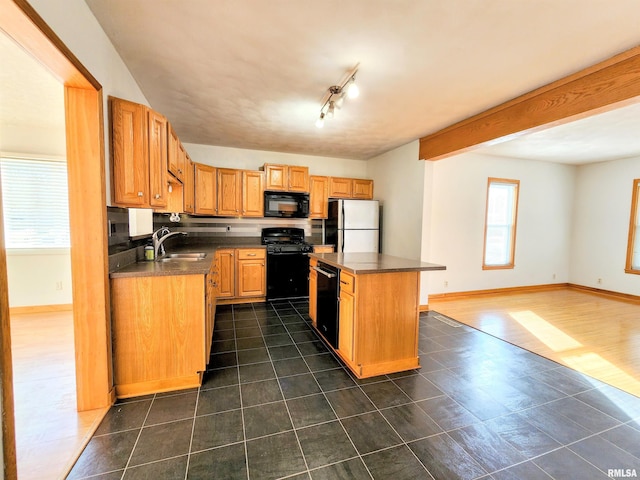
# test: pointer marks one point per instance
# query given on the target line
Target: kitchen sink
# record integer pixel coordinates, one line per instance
(197, 256)
(183, 257)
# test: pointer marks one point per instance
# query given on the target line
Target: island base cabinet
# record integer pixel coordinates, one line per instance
(379, 319)
(159, 338)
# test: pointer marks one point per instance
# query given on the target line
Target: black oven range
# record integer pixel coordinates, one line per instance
(287, 262)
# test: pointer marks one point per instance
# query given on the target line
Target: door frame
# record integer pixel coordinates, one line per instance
(84, 118)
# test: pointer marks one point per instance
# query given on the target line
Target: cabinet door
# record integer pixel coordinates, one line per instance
(129, 155)
(340, 187)
(158, 152)
(362, 189)
(252, 278)
(225, 260)
(189, 186)
(229, 191)
(276, 177)
(346, 326)
(210, 308)
(205, 189)
(177, 155)
(298, 179)
(252, 193)
(319, 197)
(313, 294)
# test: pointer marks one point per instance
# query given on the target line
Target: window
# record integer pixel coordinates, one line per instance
(500, 223)
(633, 247)
(35, 203)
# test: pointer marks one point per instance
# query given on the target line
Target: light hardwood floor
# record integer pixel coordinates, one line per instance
(50, 433)
(596, 335)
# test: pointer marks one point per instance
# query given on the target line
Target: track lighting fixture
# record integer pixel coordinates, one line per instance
(334, 98)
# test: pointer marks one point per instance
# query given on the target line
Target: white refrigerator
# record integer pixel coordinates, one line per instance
(353, 225)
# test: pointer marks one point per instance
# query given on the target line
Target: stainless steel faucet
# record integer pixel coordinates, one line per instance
(158, 238)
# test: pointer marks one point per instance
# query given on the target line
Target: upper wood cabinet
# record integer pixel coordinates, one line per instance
(177, 155)
(205, 190)
(362, 188)
(252, 193)
(157, 134)
(129, 154)
(229, 192)
(340, 187)
(189, 186)
(319, 197)
(288, 178)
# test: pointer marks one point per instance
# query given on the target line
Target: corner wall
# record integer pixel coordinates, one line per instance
(600, 226)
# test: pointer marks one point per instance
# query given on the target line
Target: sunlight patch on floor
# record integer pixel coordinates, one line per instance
(550, 335)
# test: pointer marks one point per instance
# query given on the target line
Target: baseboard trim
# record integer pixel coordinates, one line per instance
(533, 288)
(424, 308)
(494, 291)
(626, 297)
(62, 307)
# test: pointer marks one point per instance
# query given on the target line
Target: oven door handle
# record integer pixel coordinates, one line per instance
(324, 272)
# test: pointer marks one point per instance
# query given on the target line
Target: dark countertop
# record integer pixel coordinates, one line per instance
(363, 263)
(175, 267)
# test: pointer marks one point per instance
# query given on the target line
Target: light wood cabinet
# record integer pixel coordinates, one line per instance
(242, 274)
(129, 154)
(287, 178)
(323, 249)
(362, 189)
(226, 267)
(229, 192)
(251, 272)
(177, 155)
(318, 197)
(159, 333)
(298, 179)
(210, 307)
(189, 186)
(341, 187)
(252, 193)
(346, 316)
(313, 291)
(205, 190)
(158, 148)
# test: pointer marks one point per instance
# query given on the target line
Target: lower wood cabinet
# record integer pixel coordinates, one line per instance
(346, 315)
(313, 291)
(161, 332)
(242, 274)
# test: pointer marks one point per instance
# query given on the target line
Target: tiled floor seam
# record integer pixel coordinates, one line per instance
(138, 437)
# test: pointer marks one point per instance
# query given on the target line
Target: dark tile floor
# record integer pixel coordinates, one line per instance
(276, 403)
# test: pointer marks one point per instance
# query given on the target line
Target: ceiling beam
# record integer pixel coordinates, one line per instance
(599, 88)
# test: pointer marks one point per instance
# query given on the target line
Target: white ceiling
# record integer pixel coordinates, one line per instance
(252, 73)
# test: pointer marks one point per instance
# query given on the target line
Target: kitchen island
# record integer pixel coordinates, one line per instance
(378, 310)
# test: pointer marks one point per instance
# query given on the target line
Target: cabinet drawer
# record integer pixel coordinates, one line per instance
(347, 283)
(251, 253)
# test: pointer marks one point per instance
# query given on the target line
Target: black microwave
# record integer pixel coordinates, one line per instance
(286, 204)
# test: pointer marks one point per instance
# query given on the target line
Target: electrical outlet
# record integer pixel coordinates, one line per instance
(599, 281)
(446, 284)
(59, 285)
(554, 276)
(228, 228)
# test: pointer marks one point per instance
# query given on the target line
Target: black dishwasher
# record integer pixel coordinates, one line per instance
(327, 302)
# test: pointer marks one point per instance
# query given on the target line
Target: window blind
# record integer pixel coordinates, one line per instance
(35, 203)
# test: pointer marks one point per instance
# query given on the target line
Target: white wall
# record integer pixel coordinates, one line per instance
(457, 222)
(39, 277)
(601, 225)
(399, 184)
(253, 159)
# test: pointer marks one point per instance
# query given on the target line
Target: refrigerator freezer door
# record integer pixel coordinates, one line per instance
(359, 214)
(358, 241)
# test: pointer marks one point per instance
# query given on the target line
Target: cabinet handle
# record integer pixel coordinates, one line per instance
(251, 254)
(343, 282)
(158, 196)
(179, 170)
(140, 194)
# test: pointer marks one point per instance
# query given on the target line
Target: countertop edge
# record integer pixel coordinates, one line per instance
(417, 267)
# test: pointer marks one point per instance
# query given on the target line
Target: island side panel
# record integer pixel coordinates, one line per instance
(386, 330)
(158, 332)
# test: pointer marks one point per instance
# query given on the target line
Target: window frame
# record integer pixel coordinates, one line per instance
(514, 223)
(635, 193)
